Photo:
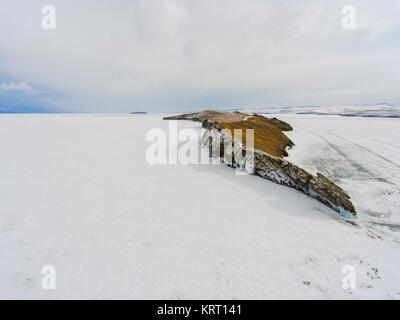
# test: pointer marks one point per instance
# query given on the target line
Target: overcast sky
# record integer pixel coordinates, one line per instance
(181, 55)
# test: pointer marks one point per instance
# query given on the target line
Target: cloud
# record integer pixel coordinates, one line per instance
(163, 55)
(13, 86)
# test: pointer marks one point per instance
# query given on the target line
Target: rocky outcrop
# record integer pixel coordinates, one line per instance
(231, 117)
(266, 158)
(197, 116)
(268, 133)
(318, 187)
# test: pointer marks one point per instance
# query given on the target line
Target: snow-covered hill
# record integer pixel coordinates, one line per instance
(383, 110)
(76, 192)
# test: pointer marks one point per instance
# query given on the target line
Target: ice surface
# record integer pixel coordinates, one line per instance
(76, 192)
(361, 155)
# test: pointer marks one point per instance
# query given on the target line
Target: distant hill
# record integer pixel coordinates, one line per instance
(382, 110)
(138, 112)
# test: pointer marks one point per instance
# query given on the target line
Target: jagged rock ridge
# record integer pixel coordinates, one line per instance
(266, 159)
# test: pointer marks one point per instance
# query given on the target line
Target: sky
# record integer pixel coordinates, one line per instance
(184, 55)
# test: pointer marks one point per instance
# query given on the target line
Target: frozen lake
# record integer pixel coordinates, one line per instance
(77, 193)
(362, 155)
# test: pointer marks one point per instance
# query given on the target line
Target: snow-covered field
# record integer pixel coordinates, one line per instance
(76, 192)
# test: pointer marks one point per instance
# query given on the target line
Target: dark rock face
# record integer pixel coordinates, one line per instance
(318, 187)
(208, 124)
